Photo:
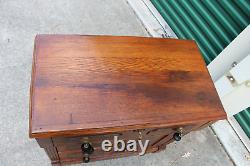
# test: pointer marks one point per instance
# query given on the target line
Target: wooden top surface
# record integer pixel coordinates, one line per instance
(101, 84)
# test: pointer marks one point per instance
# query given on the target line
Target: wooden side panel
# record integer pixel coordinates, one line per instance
(53, 155)
(50, 149)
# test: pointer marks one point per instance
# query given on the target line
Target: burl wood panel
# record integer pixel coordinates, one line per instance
(102, 84)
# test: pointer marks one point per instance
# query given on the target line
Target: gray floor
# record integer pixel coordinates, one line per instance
(20, 21)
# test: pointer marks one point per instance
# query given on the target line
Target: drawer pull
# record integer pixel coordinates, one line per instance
(177, 136)
(87, 148)
(86, 159)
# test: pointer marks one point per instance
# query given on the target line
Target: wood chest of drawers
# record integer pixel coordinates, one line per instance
(87, 89)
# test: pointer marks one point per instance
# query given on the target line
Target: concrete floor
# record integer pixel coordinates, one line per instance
(20, 21)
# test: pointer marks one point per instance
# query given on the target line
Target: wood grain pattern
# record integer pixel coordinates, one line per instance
(85, 85)
(69, 148)
(50, 149)
(77, 158)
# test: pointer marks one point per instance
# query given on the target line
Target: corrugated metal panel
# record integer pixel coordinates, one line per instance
(213, 24)
(243, 119)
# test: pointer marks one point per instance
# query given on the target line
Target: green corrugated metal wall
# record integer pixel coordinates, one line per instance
(213, 24)
(244, 120)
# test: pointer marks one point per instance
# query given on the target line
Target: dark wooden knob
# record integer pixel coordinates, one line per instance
(87, 148)
(86, 159)
(177, 136)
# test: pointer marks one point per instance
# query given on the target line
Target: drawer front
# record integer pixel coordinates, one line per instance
(69, 148)
(75, 143)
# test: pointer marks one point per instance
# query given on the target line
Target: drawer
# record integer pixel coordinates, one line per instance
(68, 144)
(75, 143)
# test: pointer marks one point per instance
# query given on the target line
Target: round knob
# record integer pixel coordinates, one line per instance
(177, 136)
(87, 148)
(86, 159)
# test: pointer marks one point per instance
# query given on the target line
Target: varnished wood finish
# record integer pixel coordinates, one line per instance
(77, 157)
(92, 88)
(50, 149)
(84, 85)
(68, 149)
